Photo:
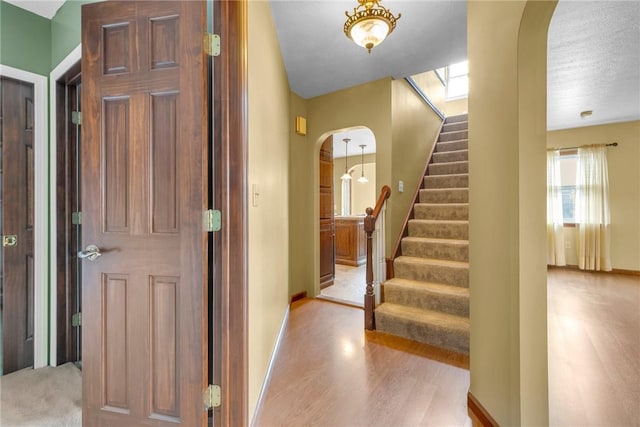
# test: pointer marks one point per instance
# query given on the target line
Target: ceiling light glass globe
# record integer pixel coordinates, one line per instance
(369, 33)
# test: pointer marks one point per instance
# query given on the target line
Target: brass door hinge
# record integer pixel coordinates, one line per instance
(76, 218)
(76, 117)
(212, 396)
(212, 220)
(76, 320)
(212, 44)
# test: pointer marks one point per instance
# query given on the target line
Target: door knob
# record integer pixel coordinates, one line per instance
(91, 252)
(10, 240)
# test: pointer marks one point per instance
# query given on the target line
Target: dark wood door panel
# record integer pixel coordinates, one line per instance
(145, 188)
(327, 255)
(18, 220)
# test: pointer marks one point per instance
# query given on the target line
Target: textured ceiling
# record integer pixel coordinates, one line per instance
(593, 63)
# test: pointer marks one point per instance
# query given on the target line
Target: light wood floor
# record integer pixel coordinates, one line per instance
(594, 349)
(330, 373)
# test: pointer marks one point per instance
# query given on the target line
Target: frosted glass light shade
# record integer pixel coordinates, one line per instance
(363, 180)
(345, 177)
(369, 33)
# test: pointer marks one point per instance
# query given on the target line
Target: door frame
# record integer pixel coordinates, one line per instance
(60, 70)
(231, 192)
(40, 209)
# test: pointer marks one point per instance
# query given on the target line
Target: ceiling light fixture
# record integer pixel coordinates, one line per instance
(346, 176)
(369, 24)
(363, 179)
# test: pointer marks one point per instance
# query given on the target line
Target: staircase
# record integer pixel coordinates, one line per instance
(428, 299)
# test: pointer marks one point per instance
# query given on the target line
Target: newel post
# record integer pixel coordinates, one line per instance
(369, 296)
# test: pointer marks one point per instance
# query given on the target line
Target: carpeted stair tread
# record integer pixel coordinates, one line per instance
(447, 249)
(428, 299)
(450, 156)
(462, 144)
(457, 118)
(434, 262)
(427, 295)
(435, 328)
(448, 272)
(448, 127)
(449, 168)
(444, 195)
(458, 211)
(445, 229)
(453, 135)
(447, 181)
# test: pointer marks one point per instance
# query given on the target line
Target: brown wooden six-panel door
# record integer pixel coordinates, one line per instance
(327, 229)
(17, 195)
(144, 177)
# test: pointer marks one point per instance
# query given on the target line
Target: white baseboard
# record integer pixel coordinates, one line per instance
(274, 355)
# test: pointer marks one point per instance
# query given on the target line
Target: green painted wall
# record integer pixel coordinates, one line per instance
(24, 40)
(65, 30)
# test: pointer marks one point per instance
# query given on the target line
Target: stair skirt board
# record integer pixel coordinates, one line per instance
(428, 299)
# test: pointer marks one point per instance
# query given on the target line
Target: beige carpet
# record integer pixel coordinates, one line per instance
(45, 397)
(428, 299)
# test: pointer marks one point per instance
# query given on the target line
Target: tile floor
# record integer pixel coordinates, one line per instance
(348, 286)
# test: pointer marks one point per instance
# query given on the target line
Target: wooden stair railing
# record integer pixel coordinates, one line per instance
(369, 228)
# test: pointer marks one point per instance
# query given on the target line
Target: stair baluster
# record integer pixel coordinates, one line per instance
(369, 228)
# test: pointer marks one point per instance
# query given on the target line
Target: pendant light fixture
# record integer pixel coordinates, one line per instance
(346, 176)
(363, 179)
(369, 24)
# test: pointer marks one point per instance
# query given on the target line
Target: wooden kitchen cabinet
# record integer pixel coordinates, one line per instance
(350, 241)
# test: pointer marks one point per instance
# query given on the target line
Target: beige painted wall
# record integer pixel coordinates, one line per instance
(269, 169)
(507, 134)
(301, 204)
(432, 87)
(393, 112)
(624, 187)
(363, 194)
(456, 106)
(367, 105)
(414, 130)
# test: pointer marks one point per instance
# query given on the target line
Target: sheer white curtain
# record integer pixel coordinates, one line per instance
(555, 220)
(592, 209)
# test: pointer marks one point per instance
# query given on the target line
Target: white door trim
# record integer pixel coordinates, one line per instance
(40, 207)
(61, 69)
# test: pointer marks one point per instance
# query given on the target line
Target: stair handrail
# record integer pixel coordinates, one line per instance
(424, 96)
(369, 227)
(404, 232)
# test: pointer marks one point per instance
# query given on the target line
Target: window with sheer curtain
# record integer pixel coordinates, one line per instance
(555, 217)
(592, 209)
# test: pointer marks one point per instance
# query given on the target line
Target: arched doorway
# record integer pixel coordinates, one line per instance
(350, 189)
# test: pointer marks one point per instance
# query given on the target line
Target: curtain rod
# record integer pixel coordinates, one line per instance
(613, 144)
